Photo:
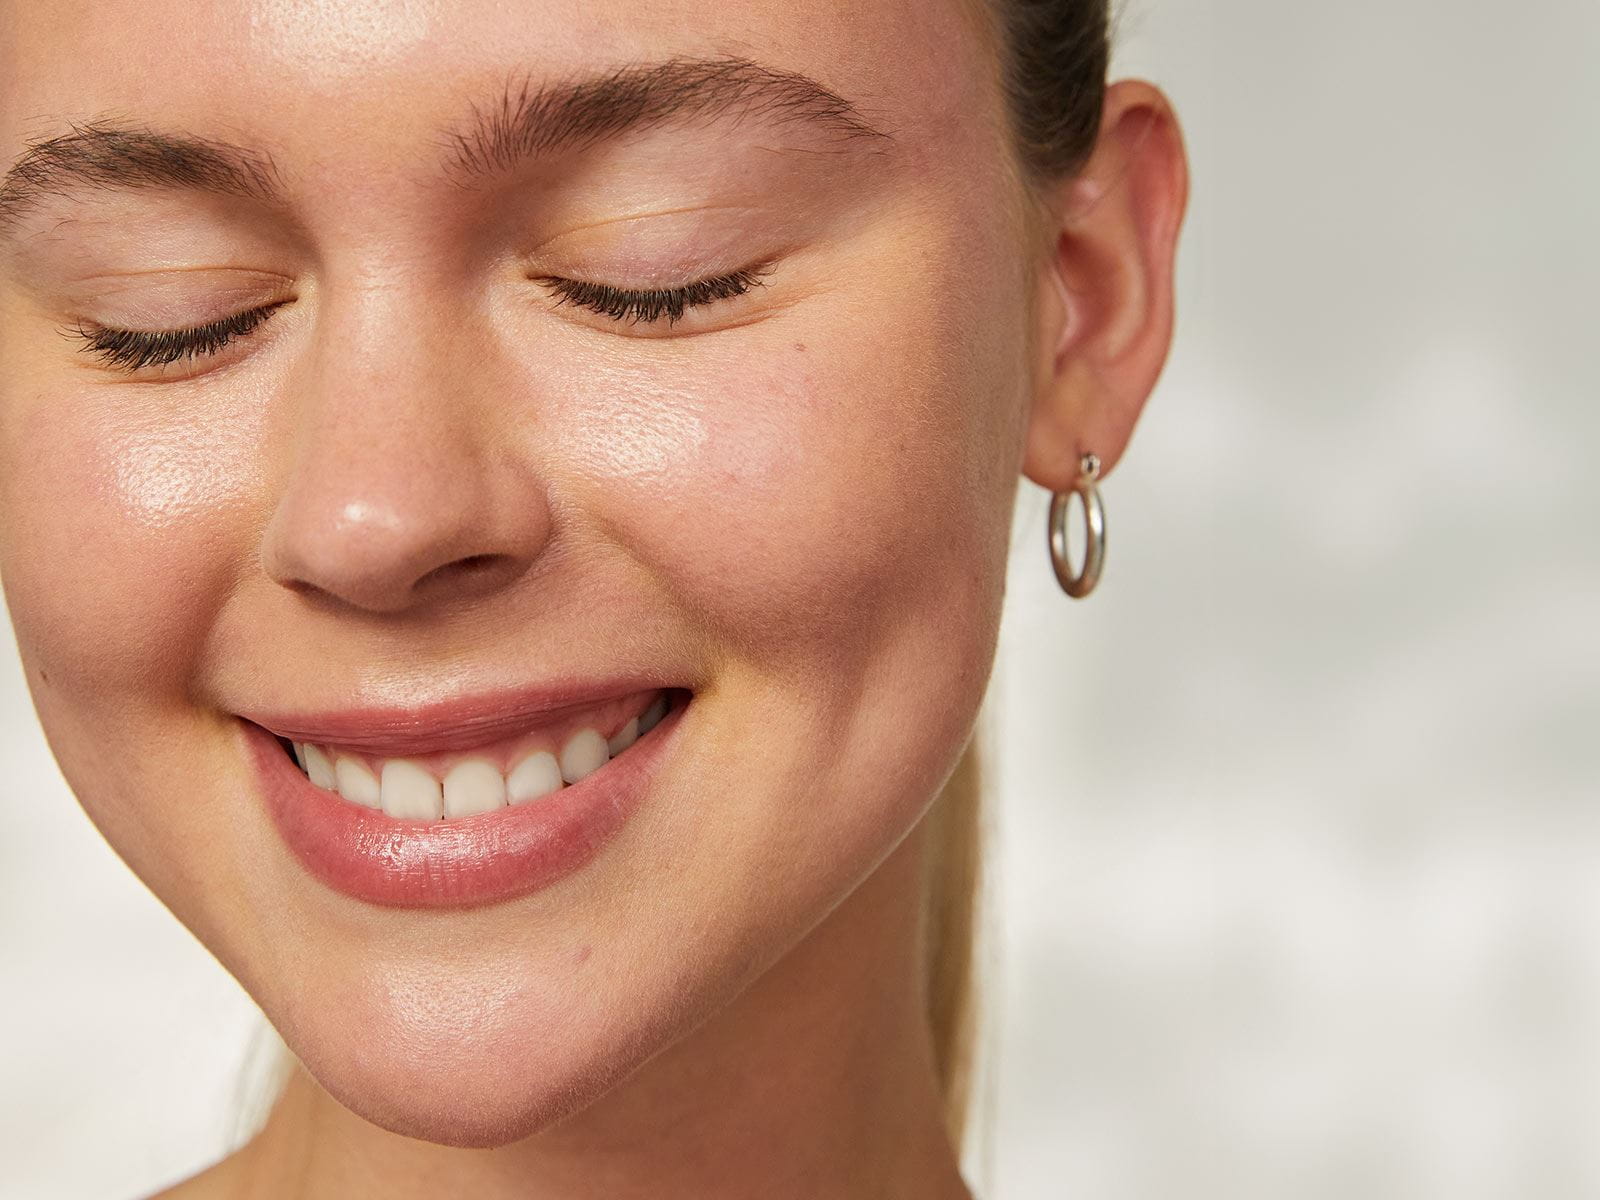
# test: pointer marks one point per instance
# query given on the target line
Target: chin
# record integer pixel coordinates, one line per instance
(478, 1112)
(471, 1093)
(487, 1052)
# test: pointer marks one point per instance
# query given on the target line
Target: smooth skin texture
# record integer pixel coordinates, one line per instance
(422, 477)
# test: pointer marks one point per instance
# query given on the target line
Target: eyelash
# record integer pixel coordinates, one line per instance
(134, 350)
(651, 304)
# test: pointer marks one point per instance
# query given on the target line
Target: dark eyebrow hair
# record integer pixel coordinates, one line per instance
(112, 155)
(524, 121)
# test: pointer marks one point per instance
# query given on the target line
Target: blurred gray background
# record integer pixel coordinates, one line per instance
(1294, 866)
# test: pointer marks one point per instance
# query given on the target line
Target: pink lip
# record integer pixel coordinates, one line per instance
(457, 724)
(461, 862)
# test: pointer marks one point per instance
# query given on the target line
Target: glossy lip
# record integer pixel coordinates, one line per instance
(460, 862)
(462, 723)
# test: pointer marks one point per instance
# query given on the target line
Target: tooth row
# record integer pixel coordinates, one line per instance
(474, 785)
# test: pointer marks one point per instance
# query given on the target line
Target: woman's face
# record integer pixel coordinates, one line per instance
(421, 475)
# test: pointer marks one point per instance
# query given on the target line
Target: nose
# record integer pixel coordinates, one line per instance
(398, 490)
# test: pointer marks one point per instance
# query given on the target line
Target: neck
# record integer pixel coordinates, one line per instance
(817, 1081)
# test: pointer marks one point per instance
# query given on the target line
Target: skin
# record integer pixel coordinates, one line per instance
(797, 503)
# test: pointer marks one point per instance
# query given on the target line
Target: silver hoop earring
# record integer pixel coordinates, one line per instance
(1082, 583)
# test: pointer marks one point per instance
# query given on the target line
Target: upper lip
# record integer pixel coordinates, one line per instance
(455, 723)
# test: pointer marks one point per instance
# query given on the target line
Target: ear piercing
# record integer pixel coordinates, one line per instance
(1079, 584)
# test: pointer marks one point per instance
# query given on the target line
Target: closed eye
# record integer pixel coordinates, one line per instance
(651, 305)
(135, 349)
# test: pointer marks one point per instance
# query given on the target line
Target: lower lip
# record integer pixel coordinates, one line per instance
(454, 863)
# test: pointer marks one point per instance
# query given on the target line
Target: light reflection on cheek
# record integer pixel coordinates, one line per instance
(118, 538)
(647, 443)
(160, 481)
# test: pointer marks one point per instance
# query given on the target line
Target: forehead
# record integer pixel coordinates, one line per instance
(306, 76)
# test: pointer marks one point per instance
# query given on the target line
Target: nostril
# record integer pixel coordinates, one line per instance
(471, 567)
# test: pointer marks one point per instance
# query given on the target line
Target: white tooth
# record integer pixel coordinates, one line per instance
(653, 714)
(356, 782)
(473, 786)
(624, 738)
(319, 768)
(409, 791)
(584, 754)
(299, 754)
(535, 776)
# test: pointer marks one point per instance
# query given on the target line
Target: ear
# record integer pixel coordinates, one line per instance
(1105, 287)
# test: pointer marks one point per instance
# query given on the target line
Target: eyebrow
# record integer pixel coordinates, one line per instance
(524, 121)
(108, 156)
(528, 121)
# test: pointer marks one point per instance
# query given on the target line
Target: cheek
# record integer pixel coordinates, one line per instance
(126, 522)
(828, 500)
(791, 488)
(116, 542)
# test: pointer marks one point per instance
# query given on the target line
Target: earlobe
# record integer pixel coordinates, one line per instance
(1106, 287)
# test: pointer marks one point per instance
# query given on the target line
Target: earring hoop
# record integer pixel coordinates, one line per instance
(1079, 584)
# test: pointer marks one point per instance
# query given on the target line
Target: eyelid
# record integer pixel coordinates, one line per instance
(647, 306)
(133, 350)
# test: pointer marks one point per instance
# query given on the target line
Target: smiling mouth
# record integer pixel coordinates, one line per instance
(509, 772)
